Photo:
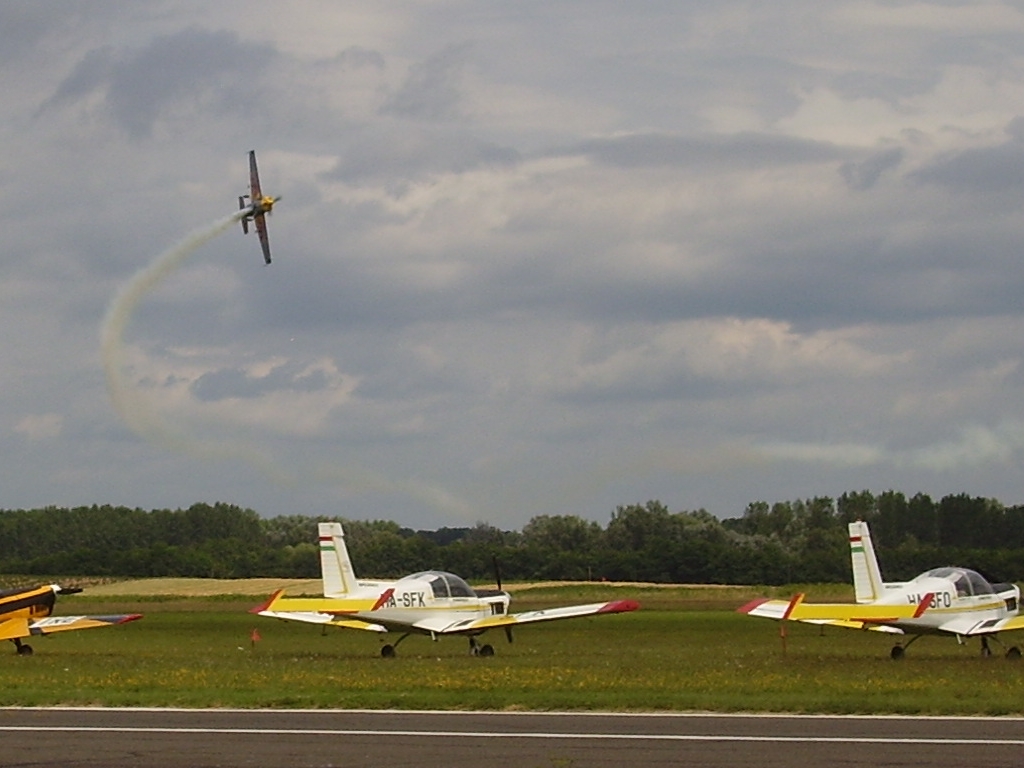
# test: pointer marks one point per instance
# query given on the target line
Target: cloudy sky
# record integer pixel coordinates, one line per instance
(531, 257)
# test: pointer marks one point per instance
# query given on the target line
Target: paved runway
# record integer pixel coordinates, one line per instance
(144, 738)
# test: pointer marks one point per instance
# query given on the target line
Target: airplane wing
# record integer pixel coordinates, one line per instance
(254, 178)
(530, 617)
(861, 616)
(776, 609)
(14, 629)
(261, 229)
(317, 611)
(312, 617)
(966, 626)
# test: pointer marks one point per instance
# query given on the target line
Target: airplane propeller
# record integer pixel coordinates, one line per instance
(497, 571)
(497, 581)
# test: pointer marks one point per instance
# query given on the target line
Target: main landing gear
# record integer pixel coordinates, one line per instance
(388, 651)
(480, 650)
(1012, 653)
(898, 650)
(24, 649)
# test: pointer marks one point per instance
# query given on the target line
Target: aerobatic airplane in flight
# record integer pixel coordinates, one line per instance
(432, 603)
(259, 205)
(27, 612)
(950, 600)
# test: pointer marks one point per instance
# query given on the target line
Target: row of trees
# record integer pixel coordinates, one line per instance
(786, 542)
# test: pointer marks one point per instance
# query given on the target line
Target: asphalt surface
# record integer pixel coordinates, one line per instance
(141, 738)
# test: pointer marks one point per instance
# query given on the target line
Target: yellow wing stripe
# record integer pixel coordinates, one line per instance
(802, 611)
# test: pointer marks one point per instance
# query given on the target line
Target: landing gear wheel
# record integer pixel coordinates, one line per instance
(985, 650)
(1013, 652)
(24, 649)
(896, 653)
(486, 650)
(387, 652)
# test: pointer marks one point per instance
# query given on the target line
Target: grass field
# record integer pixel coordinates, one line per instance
(687, 650)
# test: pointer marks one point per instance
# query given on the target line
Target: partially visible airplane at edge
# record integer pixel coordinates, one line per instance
(259, 205)
(949, 600)
(432, 603)
(27, 613)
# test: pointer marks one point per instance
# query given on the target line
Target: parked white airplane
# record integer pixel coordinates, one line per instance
(433, 603)
(950, 600)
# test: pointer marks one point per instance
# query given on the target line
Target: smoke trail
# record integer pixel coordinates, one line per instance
(147, 422)
(127, 403)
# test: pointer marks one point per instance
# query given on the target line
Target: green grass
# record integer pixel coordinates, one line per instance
(195, 653)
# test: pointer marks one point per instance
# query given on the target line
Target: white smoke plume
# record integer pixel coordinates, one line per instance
(146, 421)
(125, 398)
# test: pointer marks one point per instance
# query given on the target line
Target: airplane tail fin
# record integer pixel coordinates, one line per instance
(867, 578)
(335, 565)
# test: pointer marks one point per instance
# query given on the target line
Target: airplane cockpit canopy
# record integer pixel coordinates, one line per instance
(444, 584)
(966, 581)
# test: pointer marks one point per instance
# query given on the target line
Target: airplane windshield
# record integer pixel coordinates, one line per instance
(967, 582)
(445, 584)
(458, 587)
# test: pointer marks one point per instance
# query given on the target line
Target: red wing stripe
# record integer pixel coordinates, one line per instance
(619, 606)
(752, 605)
(266, 606)
(797, 599)
(384, 597)
(923, 605)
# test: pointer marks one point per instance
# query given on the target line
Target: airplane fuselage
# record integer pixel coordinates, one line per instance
(262, 205)
(33, 603)
(410, 601)
(948, 602)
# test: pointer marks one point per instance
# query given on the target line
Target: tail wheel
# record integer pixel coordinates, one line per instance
(1013, 652)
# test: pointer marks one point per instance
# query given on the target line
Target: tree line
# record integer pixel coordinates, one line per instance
(803, 541)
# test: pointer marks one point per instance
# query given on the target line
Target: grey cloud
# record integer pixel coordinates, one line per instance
(407, 155)
(892, 88)
(988, 169)
(88, 75)
(863, 175)
(1015, 129)
(744, 150)
(237, 383)
(141, 83)
(431, 90)
(21, 27)
(356, 57)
